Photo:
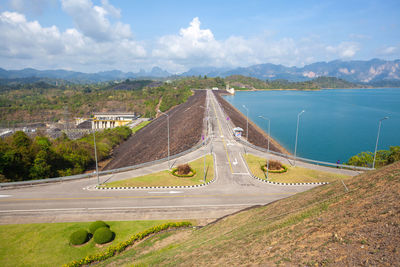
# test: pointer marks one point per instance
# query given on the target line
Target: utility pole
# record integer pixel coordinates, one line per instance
(377, 139)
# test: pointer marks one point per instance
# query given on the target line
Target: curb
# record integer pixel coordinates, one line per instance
(164, 187)
(154, 187)
(277, 183)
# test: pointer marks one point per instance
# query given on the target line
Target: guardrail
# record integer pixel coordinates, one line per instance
(324, 163)
(245, 142)
(88, 175)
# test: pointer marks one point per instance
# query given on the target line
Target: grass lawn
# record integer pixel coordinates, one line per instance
(47, 244)
(293, 175)
(165, 178)
(139, 126)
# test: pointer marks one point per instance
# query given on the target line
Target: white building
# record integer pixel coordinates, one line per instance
(111, 120)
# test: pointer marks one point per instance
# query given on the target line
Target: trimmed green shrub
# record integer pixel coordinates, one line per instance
(96, 225)
(112, 250)
(102, 235)
(79, 237)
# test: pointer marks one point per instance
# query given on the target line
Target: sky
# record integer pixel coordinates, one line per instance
(130, 35)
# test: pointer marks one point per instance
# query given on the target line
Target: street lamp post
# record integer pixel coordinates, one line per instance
(168, 134)
(247, 122)
(297, 132)
(95, 156)
(203, 138)
(377, 139)
(269, 136)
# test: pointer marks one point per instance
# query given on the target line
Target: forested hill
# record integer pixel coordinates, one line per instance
(240, 82)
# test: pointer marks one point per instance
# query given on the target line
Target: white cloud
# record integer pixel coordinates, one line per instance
(47, 47)
(344, 49)
(194, 46)
(93, 20)
(389, 50)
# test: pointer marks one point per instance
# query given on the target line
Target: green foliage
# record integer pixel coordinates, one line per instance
(363, 159)
(242, 82)
(112, 250)
(102, 235)
(284, 169)
(79, 237)
(96, 225)
(22, 158)
(383, 157)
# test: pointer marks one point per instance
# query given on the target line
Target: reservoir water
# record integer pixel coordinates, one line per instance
(336, 124)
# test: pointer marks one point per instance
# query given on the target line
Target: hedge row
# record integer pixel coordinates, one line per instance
(174, 172)
(275, 171)
(112, 250)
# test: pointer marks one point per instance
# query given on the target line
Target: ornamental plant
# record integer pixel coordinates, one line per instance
(79, 237)
(274, 165)
(96, 225)
(103, 235)
(184, 169)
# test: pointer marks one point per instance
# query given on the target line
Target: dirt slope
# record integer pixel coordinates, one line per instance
(150, 143)
(326, 226)
(256, 135)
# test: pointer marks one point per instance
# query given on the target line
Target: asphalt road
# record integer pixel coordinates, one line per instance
(234, 189)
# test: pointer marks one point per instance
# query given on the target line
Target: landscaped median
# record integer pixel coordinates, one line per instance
(293, 174)
(166, 178)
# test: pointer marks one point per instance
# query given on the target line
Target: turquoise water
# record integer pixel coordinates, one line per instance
(337, 123)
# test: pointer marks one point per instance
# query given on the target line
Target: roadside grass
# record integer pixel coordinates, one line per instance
(139, 126)
(47, 244)
(165, 178)
(293, 175)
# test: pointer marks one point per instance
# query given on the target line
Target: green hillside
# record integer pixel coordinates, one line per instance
(325, 226)
(240, 82)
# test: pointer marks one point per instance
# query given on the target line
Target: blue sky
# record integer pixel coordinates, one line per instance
(96, 35)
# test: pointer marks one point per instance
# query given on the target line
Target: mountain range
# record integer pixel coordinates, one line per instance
(375, 71)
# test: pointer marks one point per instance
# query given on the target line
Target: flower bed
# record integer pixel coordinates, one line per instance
(284, 169)
(191, 174)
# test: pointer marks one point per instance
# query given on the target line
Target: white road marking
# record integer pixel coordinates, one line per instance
(168, 192)
(138, 207)
(5, 195)
(235, 162)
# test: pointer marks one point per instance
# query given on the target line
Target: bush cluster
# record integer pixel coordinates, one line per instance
(184, 169)
(273, 165)
(383, 157)
(79, 237)
(96, 225)
(112, 250)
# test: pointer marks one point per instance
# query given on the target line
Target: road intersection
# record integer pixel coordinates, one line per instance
(233, 189)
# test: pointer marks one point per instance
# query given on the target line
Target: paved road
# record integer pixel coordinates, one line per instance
(233, 190)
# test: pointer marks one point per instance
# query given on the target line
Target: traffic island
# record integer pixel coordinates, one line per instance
(166, 179)
(293, 175)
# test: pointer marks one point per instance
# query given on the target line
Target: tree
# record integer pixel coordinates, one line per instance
(41, 167)
(363, 159)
